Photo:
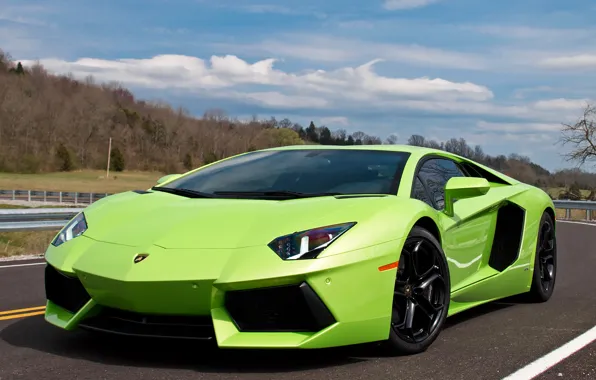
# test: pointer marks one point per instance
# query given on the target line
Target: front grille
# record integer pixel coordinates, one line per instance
(65, 291)
(294, 308)
(122, 322)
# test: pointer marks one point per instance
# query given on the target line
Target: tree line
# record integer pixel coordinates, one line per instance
(57, 123)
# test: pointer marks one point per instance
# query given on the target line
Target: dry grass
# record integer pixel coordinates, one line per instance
(81, 181)
(25, 243)
(575, 214)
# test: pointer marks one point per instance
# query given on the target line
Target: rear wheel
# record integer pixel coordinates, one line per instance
(545, 262)
(421, 294)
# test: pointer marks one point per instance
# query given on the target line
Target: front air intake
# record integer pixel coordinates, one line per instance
(294, 308)
(65, 291)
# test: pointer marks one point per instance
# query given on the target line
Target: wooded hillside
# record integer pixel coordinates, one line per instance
(57, 123)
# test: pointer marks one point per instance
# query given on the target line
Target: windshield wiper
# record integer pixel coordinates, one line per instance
(183, 192)
(274, 193)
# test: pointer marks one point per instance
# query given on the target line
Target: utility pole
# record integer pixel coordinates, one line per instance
(109, 154)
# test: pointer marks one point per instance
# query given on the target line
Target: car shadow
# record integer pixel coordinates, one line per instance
(479, 311)
(36, 334)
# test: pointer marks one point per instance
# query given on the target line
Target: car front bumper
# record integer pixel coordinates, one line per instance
(240, 298)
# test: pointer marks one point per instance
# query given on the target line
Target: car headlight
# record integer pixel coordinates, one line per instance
(74, 228)
(308, 244)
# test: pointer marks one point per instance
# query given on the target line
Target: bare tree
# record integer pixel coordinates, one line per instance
(416, 140)
(581, 137)
(392, 139)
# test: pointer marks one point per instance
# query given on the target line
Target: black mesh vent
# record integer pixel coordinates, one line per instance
(283, 308)
(66, 292)
(122, 322)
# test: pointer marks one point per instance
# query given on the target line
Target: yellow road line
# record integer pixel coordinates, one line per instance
(22, 310)
(15, 316)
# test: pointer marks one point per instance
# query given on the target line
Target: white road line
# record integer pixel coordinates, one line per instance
(572, 222)
(20, 265)
(554, 357)
(22, 258)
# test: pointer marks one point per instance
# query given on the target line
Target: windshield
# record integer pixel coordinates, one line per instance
(303, 171)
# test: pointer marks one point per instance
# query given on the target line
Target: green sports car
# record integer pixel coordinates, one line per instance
(304, 247)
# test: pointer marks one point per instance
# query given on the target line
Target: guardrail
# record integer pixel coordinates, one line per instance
(68, 197)
(39, 219)
(32, 219)
(568, 205)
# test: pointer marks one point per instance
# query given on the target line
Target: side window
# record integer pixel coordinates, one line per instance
(420, 192)
(435, 173)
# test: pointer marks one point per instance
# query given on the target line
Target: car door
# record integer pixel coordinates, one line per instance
(467, 234)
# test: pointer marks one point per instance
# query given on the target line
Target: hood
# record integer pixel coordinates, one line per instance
(172, 221)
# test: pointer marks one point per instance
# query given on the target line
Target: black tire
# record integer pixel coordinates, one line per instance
(545, 262)
(426, 296)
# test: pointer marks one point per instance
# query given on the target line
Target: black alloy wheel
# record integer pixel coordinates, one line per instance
(421, 295)
(545, 264)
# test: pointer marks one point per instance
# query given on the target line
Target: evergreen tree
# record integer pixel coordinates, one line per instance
(64, 159)
(117, 160)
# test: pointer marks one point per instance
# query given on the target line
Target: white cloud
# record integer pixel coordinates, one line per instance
(562, 104)
(579, 61)
(325, 48)
(530, 33)
(17, 41)
(393, 5)
(24, 14)
(317, 88)
(522, 93)
(335, 120)
(346, 90)
(276, 99)
(356, 24)
(527, 128)
(269, 8)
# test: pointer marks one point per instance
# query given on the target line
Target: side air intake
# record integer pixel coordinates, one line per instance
(508, 236)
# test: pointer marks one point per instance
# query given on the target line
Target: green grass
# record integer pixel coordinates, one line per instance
(81, 181)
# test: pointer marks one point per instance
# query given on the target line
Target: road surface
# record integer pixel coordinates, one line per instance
(491, 342)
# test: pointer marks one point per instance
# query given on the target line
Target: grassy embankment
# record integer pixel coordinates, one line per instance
(18, 243)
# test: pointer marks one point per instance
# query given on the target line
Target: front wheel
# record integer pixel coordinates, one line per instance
(421, 295)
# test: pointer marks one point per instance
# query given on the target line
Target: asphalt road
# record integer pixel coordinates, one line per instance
(488, 343)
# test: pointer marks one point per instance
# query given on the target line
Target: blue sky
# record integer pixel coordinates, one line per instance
(503, 74)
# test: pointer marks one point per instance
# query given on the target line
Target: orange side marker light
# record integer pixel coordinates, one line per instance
(388, 266)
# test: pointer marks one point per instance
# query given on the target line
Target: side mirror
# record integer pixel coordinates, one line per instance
(463, 187)
(168, 177)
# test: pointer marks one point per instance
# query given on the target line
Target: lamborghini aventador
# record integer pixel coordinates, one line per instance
(304, 247)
